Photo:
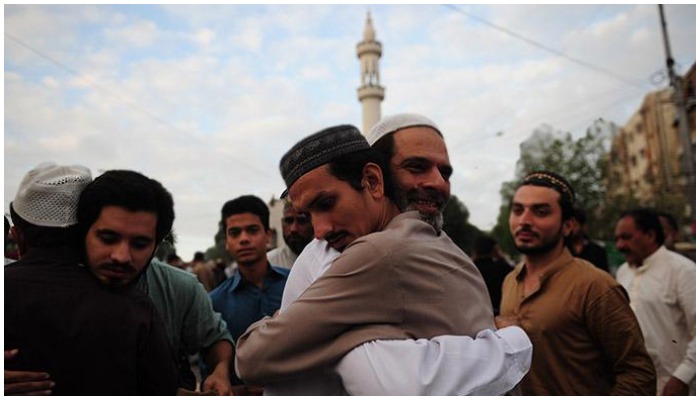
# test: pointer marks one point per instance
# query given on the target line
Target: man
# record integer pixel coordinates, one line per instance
(297, 233)
(582, 247)
(661, 285)
(420, 169)
(204, 272)
(397, 277)
(586, 340)
(91, 340)
(493, 267)
(123, 216)
(255, 291)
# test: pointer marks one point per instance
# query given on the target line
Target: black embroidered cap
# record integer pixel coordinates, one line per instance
(552, 180)
(318, 149)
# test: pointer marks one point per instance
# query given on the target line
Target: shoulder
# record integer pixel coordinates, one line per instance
(284, 272)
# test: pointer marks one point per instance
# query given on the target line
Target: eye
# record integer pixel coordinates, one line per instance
(325, 204)
(542, 211)
(108, 237)
(516, 209)
(253, 230)
(234, 232)
(141, 244)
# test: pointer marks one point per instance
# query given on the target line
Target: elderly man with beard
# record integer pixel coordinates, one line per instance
(585, 337)
(421, 170)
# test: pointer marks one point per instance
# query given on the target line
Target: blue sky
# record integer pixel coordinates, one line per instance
(206, 99)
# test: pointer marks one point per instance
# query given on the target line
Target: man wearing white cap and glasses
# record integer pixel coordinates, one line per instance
(89, 340)
(420, 169)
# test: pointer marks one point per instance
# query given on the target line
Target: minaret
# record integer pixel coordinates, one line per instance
(370, 93)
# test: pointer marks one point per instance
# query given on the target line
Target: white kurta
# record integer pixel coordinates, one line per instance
(662, 295)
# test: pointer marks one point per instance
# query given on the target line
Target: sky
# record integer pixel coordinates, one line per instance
(206, 99)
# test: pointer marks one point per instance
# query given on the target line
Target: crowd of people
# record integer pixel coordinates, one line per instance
(367, 296)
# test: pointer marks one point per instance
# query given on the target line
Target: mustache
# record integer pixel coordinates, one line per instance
(526, 229)
(119, 267)
(428, 194)
(332, 236)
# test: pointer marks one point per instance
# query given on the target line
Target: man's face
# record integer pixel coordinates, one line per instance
(421, 170)
(296, 229)
(631, 241)
(339, 213)
(536, 220)
(246, 238)
(120, 244)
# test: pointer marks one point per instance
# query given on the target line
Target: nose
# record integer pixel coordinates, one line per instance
(525, 218)
(435, 180)
(121, 253)
(322, 226)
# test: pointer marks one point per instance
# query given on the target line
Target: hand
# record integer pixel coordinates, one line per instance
(221, 385)
(506, 321)
(26, 383)
(675, 387)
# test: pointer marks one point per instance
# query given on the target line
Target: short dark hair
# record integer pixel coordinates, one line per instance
(130, 190)
(198, 256)
(646, 220)
(670, 218)
(348, 168)
(246, 204)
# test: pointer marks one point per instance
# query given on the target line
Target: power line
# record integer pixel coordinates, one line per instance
(544, 47)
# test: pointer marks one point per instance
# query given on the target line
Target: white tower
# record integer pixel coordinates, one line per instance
(370, 93)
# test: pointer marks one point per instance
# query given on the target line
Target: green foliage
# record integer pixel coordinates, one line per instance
(457, 226)
(167, 246)
(218, 251)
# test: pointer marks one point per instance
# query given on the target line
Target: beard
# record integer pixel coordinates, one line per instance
(546, 245)
(408, 201)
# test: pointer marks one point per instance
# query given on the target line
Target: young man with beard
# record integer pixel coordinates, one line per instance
(297, 232)
(90, 339)
(586, 340)
(426, 161)
(124, 215)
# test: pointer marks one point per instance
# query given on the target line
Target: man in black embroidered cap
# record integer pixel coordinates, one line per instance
(586, 339)
(397, 277)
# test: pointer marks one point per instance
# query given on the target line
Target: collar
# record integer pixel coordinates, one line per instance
(652, 259)
(548, 270)
(238, 279)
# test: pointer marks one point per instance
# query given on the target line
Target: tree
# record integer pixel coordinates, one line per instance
(583, 162)
(456, 224)
(167, 246)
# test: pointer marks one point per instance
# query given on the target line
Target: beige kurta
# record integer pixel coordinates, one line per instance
(402, 282)
(585, 337)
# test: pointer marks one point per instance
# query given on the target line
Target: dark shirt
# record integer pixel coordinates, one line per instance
(241, 303)
(494, 271)
(594, 254)
(92, 340)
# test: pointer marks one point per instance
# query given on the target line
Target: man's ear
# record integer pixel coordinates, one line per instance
(373, 179)
(568, 227)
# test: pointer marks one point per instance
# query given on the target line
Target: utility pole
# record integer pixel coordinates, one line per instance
(687, 162)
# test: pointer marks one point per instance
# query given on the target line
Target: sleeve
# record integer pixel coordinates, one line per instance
(613, 325)
(490, 364)
(686, 299)
(311, 263)
(360, 289)
(202, 326)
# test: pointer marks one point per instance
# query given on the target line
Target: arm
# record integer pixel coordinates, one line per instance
(491, 364)
(219, 356)
(613, 324)
(314, 331)
(26, 383)
(685, 372)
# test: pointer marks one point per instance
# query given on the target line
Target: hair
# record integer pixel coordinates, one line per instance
(484, 245)
(172, 257)
(130, 190)
(198, 256)
(646, 220)
(246, 204)
(552, 180)
(349, 167)
(579, 215)
(43, 236)
(670, 218)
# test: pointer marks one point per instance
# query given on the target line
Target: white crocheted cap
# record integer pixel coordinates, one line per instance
(48, 195)
(393, 123)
